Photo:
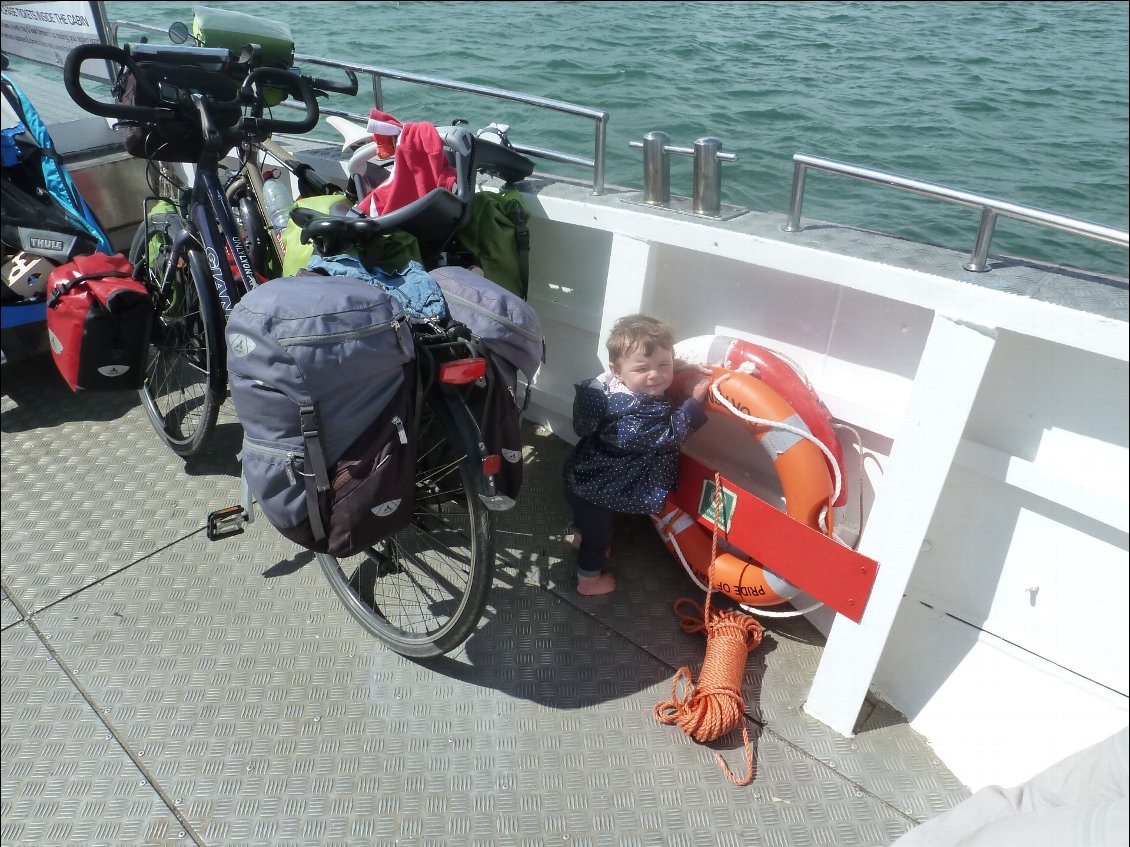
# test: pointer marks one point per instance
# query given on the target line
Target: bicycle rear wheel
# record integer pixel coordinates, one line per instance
(422, 591)
(185, 376)
(262, 248)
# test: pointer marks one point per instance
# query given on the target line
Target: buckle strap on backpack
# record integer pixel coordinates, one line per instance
(60, 290)
(318, 479)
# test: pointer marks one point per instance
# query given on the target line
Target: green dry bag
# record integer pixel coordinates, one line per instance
(498, 238)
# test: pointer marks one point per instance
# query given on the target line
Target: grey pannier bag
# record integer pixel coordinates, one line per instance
(507, 324)
(323, 378)
(510, 330)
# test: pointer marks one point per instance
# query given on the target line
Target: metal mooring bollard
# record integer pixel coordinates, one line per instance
(656, 168)
(708, 157)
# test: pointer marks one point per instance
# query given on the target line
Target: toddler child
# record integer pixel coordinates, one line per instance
(628, 457)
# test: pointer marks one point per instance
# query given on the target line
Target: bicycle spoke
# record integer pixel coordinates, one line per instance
(422, 590)
(184, 377)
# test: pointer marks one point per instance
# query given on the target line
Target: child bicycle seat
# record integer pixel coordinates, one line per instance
(429, 191)
(491, 157)
(439, 212)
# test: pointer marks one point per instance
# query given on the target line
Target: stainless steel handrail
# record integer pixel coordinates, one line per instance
(599, 118)
(990, 207)
(377, 74)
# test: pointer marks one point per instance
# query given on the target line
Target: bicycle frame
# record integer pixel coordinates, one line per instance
(215, 232)
(255, 158)
(209, 208)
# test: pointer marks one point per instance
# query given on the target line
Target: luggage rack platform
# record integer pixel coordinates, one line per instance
(159, 688)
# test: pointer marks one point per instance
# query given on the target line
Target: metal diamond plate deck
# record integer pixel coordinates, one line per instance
(159, 688)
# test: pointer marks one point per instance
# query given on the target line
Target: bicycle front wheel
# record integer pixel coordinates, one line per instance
(185, 378)
(422, 591)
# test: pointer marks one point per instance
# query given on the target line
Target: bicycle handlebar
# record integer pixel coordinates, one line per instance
(325, 85)
(73, 65)
(295, 85)
(249, 94)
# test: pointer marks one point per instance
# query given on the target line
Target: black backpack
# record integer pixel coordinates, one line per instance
(323, 378)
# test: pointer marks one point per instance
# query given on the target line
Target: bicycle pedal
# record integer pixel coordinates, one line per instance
(226, 521)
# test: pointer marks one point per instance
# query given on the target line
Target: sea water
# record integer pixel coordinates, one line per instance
(1022, 101)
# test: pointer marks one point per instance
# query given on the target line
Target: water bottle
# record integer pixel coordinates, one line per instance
(279, 200)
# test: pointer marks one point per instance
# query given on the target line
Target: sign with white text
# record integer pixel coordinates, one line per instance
(47, 32)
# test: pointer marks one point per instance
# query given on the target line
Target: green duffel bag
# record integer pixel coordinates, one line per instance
(235, 30)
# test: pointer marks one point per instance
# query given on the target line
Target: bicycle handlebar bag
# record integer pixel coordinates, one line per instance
(98, 323)
(178, 138)
(323, 379)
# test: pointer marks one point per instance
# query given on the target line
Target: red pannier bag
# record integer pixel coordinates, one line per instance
(98, 323)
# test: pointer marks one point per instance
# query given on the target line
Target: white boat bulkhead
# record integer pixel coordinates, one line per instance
(991, 465)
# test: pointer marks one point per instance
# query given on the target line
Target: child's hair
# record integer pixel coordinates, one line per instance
(638, 331)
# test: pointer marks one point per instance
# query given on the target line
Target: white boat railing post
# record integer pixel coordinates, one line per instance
(378, 94)
(949, 375)
(796, 198)
(979, 259)
(601, 121)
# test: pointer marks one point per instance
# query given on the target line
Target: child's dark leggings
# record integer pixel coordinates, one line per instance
(594, 523)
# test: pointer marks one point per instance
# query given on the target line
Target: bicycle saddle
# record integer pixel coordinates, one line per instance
(335, 232)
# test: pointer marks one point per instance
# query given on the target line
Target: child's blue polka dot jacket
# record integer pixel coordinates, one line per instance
(628, 457)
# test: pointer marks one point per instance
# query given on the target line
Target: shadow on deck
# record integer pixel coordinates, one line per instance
(160, 688)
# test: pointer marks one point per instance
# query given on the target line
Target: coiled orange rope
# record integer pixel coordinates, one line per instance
(714, 706)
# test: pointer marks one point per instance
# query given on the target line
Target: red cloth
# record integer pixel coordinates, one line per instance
(420, 166)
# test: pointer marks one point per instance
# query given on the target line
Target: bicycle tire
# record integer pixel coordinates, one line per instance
(262, 248)
(185, 376)
(423, 590)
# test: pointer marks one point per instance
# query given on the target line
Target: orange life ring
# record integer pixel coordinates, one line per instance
(801, 466)
(782, 376)
(736, 577)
